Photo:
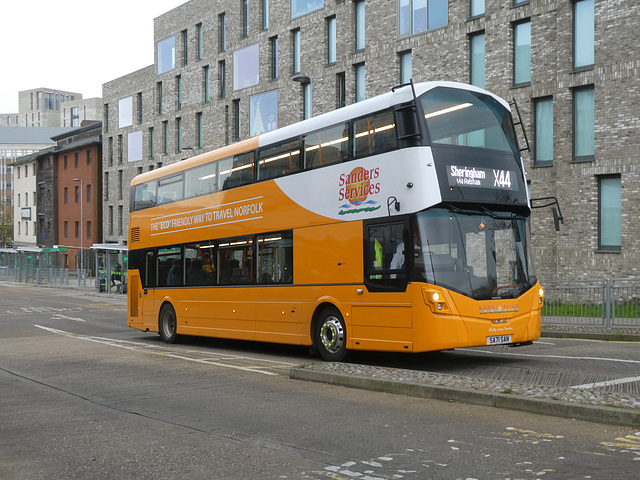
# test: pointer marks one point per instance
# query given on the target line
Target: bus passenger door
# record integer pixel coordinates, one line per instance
(148, 277)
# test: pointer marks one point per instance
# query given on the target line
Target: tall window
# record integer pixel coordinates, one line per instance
(206, 84)
(543, 148)
(341, 90)
(273, 42)
(610, 213)
(406, 67)
(331, 40)
(296, 50)
(200, 35)
(245, 18)
(199, 130)
(477, 70)
(417, 16)
(179, 92)
(361, 93)
(360, 27)
(178, 135)
(584, 124)
(165, 137)
(185, 47)
(159, 96)
(265, 14)
(236, 119)
(222, 32)
(222, 79)
(152, 137)
(477, 8)
(583, 34)
(522, 53)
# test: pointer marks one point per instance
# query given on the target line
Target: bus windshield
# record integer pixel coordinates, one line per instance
(483, 255)
(467, 118)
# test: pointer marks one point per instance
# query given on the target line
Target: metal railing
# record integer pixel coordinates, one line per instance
(606, 303)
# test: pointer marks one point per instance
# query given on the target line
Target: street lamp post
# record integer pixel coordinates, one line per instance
(81, 274)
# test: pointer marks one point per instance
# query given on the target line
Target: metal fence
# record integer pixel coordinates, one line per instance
(605, 303)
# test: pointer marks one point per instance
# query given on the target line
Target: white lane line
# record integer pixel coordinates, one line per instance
(608, 383)
(562, 357)
(158, 351)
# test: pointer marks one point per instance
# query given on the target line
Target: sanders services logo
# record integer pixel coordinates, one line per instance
(356, 187)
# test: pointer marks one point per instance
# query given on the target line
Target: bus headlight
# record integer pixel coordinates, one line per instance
(436, 300)
(540, 296)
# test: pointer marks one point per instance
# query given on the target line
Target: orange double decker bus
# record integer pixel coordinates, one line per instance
(399, 223)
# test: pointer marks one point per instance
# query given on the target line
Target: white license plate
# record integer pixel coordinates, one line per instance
(499, 340)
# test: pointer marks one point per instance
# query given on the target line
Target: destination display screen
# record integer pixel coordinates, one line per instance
(464, 176)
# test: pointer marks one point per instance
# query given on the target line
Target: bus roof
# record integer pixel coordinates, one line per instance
(397, 96)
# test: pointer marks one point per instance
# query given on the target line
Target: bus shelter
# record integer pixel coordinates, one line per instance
(111, 263)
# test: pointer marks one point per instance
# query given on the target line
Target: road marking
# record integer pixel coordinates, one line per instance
(156, 350)
(608, 383)
(562, 357)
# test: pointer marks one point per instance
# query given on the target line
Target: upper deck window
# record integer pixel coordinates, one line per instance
(470, 119)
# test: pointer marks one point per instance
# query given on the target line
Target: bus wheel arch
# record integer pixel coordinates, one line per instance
(329, 333)
(167, 323)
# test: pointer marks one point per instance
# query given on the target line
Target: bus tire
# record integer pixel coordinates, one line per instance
(331, 335)
(167, 323)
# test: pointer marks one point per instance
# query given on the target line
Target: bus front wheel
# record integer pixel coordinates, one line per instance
(167, 323)
(331, 335)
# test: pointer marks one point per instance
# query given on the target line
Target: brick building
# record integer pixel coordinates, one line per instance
(228, 70)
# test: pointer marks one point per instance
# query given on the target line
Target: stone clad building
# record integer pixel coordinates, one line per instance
(228, 70)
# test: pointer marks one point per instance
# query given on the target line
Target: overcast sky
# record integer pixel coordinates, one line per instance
(73, 45)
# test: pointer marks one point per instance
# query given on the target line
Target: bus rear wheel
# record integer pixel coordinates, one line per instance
(331, 335)
(167, 323)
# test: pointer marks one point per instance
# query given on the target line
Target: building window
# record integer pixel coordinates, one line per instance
(583, 124)
(152, 137)
(543, 146)
(106, 186)
(88, 228)
(417, 16)
(206, 84)
(166, 52)
(185, 48)
(77, 191)
(302, 7)
(245, 18)
(165, 137)
(583, 34)
(139, 107)
(76, 159)
(66, 196)
(236, 119)
(341, 90)
(125, 112)
(610, 213)
(222, 32)
(199, 130)
(246, 67)
(179, 92)
(477, 8)
(265, 14)
(66, 163)
(110, 220)
(522, 53)
(120, 220)
(406, 67)
(75, 116)
(178, 135)
(263, 113)
(120, 184)
(77, 228)
(274, 57)
(222, 79)
(331, 40)
(477, 70)
(89, 193)
(200, 34)
(159, 96)
(361, 93)
(296, 50)
(360, 27)
(120, 149)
